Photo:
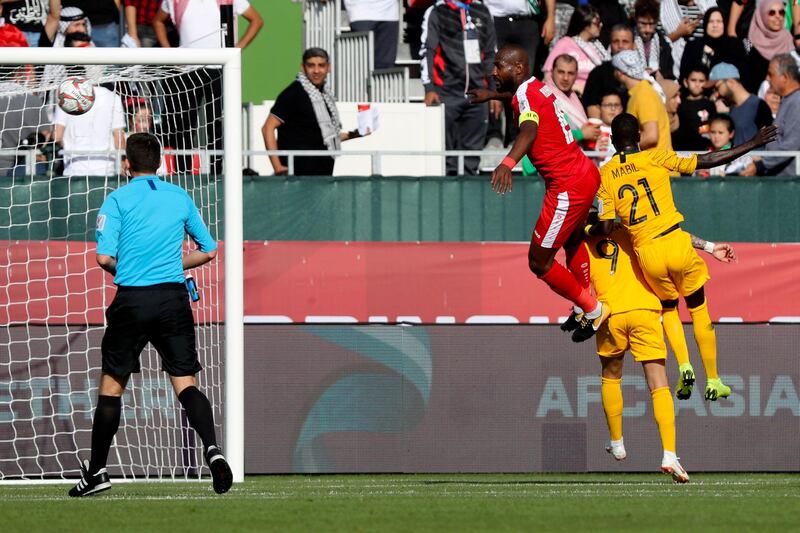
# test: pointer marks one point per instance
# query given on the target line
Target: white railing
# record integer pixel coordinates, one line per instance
(322, 21)
(375, 156)
(354, 53)
(389, 85)
(321, 25)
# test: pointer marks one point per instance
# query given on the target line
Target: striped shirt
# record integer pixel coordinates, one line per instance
(670, 19)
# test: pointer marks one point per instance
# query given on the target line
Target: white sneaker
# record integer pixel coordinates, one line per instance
(617, 449)
(671, 465)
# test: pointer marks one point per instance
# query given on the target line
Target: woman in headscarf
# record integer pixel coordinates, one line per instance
(681, 22)
(581, 42)
(714, 47)
(770, 37)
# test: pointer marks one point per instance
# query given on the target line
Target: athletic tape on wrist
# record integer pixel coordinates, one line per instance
(709, 247)
(509, 162)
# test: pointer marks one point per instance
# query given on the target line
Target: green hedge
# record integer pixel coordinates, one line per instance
(399, 208)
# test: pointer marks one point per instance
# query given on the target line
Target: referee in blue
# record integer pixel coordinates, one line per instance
(140, 232)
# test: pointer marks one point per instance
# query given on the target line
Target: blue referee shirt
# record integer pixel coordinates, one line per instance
(142, 225)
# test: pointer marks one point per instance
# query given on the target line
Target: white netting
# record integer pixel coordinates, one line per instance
(53, 294)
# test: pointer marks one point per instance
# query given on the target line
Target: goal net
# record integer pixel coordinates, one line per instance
(55, 172)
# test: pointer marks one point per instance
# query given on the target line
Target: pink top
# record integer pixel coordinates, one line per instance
(587, 57)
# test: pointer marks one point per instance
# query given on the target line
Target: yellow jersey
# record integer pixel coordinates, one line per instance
(645, 104)
(616, 276)
(636, 188)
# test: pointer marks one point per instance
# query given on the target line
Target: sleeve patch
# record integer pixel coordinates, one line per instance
(101, 222)
(529, 115)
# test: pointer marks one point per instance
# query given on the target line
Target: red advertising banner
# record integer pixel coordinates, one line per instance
(59, 282)
(473, 283)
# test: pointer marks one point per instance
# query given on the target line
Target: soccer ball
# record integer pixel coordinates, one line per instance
(75, 95)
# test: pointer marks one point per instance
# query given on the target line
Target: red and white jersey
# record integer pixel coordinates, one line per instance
(556, 155)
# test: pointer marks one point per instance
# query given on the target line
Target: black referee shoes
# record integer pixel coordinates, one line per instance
(90, 483)
(220, 470)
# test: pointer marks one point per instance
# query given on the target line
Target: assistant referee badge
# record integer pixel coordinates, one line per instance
(101, 222)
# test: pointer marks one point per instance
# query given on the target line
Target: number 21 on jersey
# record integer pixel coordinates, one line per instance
(633, 219)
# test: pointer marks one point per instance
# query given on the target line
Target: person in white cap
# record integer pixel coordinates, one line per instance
(646, 100)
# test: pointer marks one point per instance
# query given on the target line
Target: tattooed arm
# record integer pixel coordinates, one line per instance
(721, 251)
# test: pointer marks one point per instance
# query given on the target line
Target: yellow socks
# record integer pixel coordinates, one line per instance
(706, 338)
(664, 413)
(611, 393)
(674, 330)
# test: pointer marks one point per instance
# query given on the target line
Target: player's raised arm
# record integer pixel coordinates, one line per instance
(723, 157)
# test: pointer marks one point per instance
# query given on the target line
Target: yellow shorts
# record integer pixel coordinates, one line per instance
(671, 266)
(638, 330)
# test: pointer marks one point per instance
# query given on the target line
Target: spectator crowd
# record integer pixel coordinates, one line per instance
(697, 74)
(90, 140)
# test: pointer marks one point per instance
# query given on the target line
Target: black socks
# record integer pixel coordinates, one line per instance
(200, 415)
(104, 427)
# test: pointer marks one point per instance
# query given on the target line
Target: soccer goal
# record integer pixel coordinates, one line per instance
(55, 172)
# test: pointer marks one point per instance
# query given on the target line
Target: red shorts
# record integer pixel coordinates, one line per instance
(565, 210)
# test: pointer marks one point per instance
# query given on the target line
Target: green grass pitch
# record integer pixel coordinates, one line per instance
(421, 502)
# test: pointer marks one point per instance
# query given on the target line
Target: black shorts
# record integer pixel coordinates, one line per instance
(159, 314)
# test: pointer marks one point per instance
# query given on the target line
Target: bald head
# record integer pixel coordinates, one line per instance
(511, 67)
(513, 54)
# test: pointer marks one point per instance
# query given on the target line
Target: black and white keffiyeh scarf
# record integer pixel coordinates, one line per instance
(325, 111)
(593, 49)
(652, 60)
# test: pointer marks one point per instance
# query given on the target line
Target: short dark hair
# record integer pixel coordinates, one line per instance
(621, 27)
(565, 57)
(612, 92)
(581, 18)
(143, 152)
(726, 119)
(702, 69)
(646, 9)
(624, 129)
(316, 52)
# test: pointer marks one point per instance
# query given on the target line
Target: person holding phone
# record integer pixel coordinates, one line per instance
(681, 20)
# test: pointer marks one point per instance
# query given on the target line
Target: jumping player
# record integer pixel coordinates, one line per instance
(636, 188)
(635, 325)
(571, 182)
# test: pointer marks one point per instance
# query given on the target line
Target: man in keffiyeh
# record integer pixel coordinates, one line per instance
(646, 100)
(305, 118)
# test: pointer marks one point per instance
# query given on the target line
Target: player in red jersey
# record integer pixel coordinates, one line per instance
(571, 182)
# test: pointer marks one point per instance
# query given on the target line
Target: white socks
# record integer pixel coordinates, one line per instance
(591, 315)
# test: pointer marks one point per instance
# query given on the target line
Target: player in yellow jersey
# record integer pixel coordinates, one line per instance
(634, 325)
(635, 186)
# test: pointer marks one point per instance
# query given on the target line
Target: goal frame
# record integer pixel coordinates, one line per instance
(230, 60)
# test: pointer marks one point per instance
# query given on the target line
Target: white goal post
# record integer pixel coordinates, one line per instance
(232, 396)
